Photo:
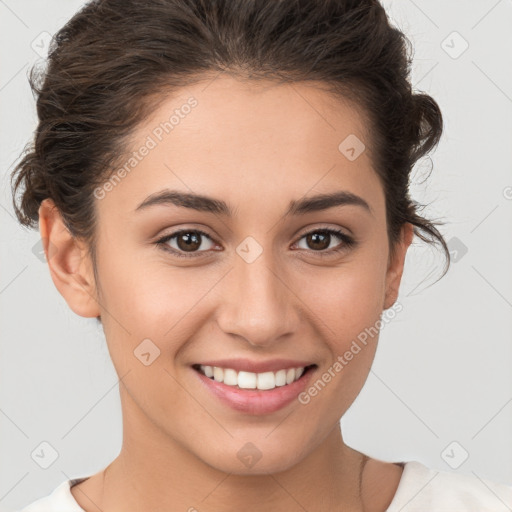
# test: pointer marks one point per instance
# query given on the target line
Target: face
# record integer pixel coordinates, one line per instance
(253, 273)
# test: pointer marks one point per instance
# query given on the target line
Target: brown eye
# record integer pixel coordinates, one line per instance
(188, 241)
(320, 240)
(185, 241)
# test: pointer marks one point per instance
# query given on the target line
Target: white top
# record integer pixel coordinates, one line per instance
(420, 490)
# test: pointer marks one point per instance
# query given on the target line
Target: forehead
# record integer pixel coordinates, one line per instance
(256, 110)
(227, 137)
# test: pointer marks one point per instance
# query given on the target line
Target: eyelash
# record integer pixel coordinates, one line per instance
(348, 242)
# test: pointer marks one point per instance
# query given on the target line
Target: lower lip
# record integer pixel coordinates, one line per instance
(254, 401)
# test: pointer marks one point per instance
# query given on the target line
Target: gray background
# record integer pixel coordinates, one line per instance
(441, 384)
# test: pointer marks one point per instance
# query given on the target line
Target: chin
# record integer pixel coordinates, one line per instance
(249, 459)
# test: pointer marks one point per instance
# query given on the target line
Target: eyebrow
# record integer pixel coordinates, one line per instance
(208, 204)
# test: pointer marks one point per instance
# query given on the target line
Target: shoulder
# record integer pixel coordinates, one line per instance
(59, 500)
(431, 490)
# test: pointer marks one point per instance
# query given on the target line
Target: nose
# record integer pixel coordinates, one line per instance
(258, 304)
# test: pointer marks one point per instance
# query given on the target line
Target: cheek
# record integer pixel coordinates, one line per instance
(144, 298)
(346, 306)
(346, 299)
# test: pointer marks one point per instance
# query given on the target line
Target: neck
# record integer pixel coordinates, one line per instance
(156, 472)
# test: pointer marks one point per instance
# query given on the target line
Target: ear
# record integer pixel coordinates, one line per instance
(396, 265)
(68, 261)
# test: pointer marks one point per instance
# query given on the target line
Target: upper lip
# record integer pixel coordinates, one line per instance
(247, 365)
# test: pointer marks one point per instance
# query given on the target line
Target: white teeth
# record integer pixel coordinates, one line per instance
(246, 380)
(281, 378)
(266, 380)
(230, 377)
(218, 374)
(249, 380)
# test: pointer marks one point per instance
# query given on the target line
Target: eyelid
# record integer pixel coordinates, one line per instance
(348, 241)
(162, 241)
(321, 227)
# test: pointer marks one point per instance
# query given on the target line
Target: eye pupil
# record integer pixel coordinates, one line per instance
(315, 237)
(192, 241)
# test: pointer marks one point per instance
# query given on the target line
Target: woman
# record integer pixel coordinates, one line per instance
(224, 186)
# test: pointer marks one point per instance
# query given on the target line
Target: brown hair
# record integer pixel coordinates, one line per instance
(114, 60)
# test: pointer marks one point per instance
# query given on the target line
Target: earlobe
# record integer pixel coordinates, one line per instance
(396, 265)
(68, 261)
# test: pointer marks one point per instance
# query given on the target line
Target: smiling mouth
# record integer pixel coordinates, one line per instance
(253, 381)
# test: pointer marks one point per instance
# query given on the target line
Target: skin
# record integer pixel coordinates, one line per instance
(256, 146)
